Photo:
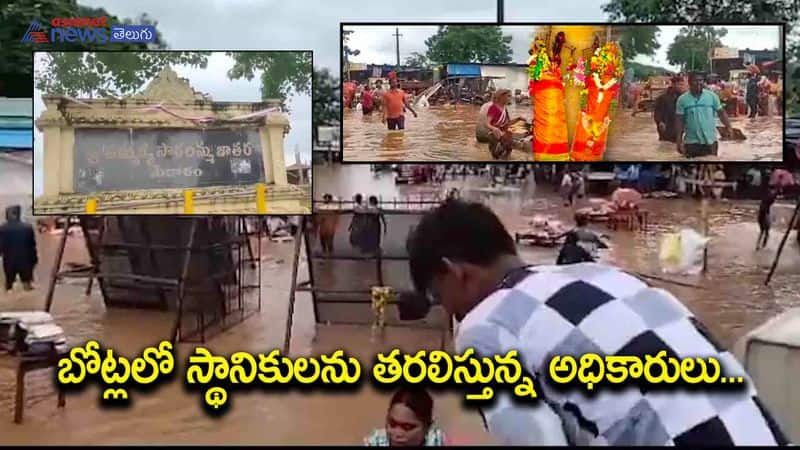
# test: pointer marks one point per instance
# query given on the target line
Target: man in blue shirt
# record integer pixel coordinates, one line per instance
(696, 122)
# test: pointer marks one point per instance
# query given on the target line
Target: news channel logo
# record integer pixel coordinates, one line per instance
(86, 33)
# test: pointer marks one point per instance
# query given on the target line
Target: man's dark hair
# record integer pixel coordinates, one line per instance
(358, 198)
(695, 75)
(581, 219)
(373, 200)
(460, 231)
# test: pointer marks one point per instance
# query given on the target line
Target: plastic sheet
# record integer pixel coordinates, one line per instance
(682, 253)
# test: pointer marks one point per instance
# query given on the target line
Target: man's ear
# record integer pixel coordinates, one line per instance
(453, 268)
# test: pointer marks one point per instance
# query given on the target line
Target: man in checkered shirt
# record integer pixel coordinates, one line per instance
(462, 257)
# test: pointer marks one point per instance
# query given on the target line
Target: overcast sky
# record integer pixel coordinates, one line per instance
(377, 43)
(311, 25)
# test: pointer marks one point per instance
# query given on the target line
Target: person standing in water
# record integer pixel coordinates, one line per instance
(18, 249)
(373, 219)
(367, 101)
(394, 103)
(327, 221)
(697, 111)
(664, 112)
(764, 217)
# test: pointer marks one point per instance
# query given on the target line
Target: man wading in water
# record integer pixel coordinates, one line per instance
(18, 249)
(462, 257)
(696, 119)
(394, 102)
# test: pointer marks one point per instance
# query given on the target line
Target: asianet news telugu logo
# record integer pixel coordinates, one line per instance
(87, 30)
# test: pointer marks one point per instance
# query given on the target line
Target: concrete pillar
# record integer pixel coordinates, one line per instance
(66, 155)
(273, 135)
(51, 159)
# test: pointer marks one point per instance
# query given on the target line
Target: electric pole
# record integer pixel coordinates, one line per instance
(397, 45)
(500, 11)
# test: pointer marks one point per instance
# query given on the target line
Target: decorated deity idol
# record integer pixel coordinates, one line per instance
(550, 141)
(598, 101)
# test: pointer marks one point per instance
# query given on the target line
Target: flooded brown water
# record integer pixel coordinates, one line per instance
(172, 416)
(447, 133)
(636, 139)
(734, 300)
(440, 133)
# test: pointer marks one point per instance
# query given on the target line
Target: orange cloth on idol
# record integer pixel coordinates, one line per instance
(591, 132)
(550, 141)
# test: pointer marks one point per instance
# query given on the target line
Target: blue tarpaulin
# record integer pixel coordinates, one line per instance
(16, 123)
(463, 70)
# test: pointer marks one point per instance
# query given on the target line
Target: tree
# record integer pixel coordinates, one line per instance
(714, 11)
(347, 52)
(326, 101)
(692, 47)
(639, 40)
(469, 44)
(720, 11)
(106, 74)
(417, 60)
(282, 73)
(16, 63)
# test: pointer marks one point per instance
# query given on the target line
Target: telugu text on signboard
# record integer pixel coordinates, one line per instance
(107, 160)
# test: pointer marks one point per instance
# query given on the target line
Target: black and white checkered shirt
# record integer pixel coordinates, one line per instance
(591, 308)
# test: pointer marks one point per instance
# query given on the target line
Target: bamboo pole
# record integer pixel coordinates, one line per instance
(783, 242)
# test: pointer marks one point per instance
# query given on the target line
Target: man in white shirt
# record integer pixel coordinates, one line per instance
(461, 256)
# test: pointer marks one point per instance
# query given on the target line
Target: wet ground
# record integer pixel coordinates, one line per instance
(636, 139)
(733, 300)
(440, 133)
(16, 180)
(172, 416)
(447, 133)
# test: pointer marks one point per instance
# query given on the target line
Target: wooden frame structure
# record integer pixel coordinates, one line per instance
(231, 293)
(353, 296)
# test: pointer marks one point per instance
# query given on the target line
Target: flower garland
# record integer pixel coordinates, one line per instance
(381, 296)
(539, 62)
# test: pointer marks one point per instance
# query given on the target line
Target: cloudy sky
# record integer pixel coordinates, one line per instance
(310, 25)
(213, 80)
(377, 43)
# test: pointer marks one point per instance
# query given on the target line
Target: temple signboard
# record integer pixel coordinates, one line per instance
(111, 159)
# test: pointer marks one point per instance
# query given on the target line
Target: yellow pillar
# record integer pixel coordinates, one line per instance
(188, 201)
(91, 206)
(261, 198)
(581, 37)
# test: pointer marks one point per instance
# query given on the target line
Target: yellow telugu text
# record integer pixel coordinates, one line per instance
(114, 371)
(592, 368)
(440, 367)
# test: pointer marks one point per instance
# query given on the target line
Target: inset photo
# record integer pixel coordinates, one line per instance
(562, 92)
(166, 132)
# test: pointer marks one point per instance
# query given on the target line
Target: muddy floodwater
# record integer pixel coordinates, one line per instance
(447, 133)
(734, 300)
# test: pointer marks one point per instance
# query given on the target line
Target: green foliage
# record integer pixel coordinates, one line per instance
(714, 11)
(281, 73)
(326, 101)
(639, 40)
(692, 47)
(16, 16)
(347, 52)
(469, 44)
(418, 60)
(644, 71)
(721, 11)
(107, 74)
